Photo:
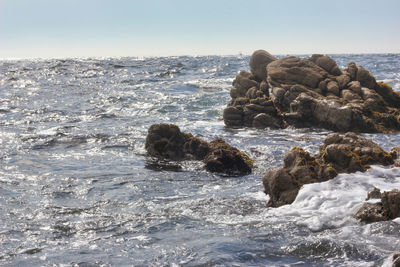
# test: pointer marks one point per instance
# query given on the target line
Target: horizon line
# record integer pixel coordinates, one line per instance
(185, 55)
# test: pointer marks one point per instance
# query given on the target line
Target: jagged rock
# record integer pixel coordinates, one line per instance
(387, 209)
(258, 63)
(338, 154)
(166, 141)
(348, 101)
(371, 212)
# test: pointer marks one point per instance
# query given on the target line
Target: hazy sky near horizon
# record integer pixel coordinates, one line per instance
(106, 28)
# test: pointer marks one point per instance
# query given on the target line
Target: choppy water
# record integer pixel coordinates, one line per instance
(77, 188)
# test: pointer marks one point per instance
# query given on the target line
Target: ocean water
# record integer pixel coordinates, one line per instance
(77, 188)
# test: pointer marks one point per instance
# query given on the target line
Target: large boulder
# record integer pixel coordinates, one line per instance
(312, 92)
(166, 141)
(258, 63)
(338, 154)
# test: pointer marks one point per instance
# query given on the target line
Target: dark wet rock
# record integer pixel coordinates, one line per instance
(387, 209)
(258, 63)
(338, 154)
(314, 93)
(226, 159)
(167, 142)
(396, 260)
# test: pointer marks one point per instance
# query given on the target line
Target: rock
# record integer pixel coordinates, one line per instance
(293, 70)
(233, 116)
(333, 88)
(326, 63)
(258, 63)
(226, 159)
(396, 260)
(243, 82)
(314, 93)
(387, 209)
(375, 193)
(343, 80)
(365, 77)
(166, 141)
(338, 154)
(371, 212)
(388, 94)
(391, 203)
(263, 120)
(351, 70)
(355, 87)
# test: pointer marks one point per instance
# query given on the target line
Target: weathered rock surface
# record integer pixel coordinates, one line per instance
(311, 92)
(338, 154)
(166, 141)
(387, 209)
(258, 63)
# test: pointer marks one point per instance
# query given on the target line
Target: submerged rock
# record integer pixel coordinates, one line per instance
(311, 92)
(166, 141)
(338, 154)
(387, 209)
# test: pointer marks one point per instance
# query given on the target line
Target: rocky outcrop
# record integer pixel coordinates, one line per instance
(338, 154)
(311, 92)
(387, 208)
(166, 141)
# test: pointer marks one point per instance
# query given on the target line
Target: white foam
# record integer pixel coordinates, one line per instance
(333, 203)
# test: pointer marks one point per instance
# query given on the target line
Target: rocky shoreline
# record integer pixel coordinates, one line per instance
(310, 92)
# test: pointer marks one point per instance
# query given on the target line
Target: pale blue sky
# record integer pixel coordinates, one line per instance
(78, 28)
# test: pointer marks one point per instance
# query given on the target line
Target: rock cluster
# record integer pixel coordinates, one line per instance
(338, 154)
(311, 92)
(166, 141)
(388, 208)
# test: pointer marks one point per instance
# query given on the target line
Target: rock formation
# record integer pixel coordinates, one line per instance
(338, 154)
(387, 209)
(166, 141)
(311, 92)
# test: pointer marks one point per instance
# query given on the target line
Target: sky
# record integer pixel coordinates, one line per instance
(113, 28)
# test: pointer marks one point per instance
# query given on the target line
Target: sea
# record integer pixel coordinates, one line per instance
(77, 187)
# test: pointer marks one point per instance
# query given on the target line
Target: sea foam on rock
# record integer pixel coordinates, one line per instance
(346, 153)
(386, 209)
(311, 92)
(166, 141)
